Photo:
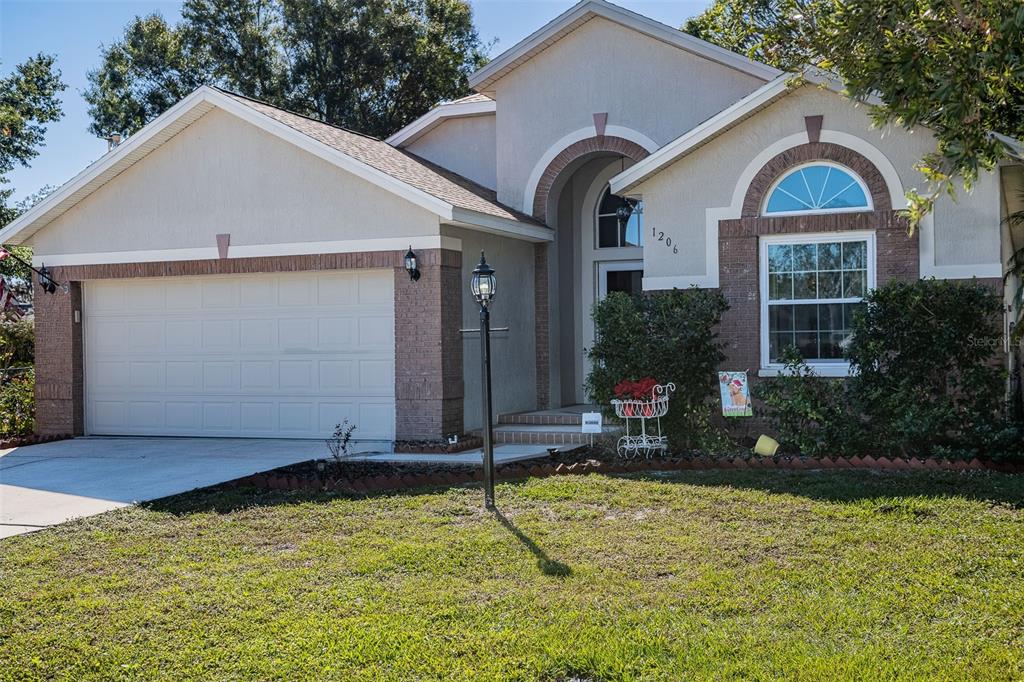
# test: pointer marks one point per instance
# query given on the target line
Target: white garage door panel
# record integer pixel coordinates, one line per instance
(283, 355)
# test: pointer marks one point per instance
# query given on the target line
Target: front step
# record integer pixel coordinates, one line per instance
(547, 427)
(526, 434)
(564, 416)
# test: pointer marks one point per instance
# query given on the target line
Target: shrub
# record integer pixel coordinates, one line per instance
(809, 413)
(17, 343)
(17, 405)
(925, 359)
(926, 380)
(671, 337)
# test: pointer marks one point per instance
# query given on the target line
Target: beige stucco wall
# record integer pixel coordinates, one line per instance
(513, 353)
(644, 84)
(464, 145)
(677, 199)
(220, 175)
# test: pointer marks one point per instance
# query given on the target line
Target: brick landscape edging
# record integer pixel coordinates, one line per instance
(272, 481)
(22, 441)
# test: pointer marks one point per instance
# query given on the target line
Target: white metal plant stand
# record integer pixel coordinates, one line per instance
(649, 440)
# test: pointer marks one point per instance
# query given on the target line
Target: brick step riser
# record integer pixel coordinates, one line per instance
(540, 419)
(543, 438)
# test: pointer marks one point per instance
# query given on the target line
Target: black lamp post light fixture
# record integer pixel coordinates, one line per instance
(483, 287)
(412, 265)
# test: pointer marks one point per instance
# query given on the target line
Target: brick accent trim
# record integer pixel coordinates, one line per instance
(815, 151)
(897, 254)
(428, 351)
(542, 321)
(739, 263)
(599, 143)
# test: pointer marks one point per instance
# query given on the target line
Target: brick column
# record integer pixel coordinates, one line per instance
(542, 319)
(59, 392)
(429, 388)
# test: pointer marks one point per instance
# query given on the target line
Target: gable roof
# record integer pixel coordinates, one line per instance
(586, 10)
(470, 105)
(721, 122)
(449, 195)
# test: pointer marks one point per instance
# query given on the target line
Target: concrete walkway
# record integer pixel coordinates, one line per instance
(43, 485)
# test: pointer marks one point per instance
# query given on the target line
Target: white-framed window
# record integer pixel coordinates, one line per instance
(612, 231)
(811, 286)
(817, 187)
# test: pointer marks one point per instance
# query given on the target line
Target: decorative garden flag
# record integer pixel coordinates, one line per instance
(735, 394)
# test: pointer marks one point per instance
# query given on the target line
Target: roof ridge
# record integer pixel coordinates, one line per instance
(295, 113)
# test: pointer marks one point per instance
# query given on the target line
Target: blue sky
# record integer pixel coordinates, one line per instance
(74, 30)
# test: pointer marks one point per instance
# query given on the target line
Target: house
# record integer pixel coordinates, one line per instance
(233, 269)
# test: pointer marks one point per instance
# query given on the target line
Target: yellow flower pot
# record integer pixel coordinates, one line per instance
(766, 447)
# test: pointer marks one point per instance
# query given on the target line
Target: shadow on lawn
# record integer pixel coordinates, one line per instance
(546, 564)
(857, 485)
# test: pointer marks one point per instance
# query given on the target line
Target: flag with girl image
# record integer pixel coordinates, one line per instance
(735, 394)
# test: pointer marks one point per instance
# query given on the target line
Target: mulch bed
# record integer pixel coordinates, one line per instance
(360, 477)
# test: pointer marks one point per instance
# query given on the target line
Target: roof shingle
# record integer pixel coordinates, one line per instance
(413, 170)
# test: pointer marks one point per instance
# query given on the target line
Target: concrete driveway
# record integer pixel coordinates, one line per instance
(42, 485)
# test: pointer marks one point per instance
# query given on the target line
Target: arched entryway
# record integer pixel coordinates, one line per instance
(595, 251)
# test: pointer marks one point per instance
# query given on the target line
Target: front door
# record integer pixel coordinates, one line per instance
(616, 275)
(625, 276)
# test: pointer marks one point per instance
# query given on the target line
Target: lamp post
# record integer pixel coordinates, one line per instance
(483, 284)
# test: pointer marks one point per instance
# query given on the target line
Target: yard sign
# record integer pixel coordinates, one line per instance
(735, 394)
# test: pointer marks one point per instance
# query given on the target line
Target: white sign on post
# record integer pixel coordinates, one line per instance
(591, 422)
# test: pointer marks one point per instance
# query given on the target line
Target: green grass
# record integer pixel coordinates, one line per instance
(795, 575)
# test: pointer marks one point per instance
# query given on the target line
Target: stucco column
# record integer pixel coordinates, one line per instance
(59, 391)
(429, 387)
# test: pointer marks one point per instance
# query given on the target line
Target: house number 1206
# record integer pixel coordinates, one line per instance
(660, 236)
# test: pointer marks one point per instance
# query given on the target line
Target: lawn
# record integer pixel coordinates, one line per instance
(796, 575)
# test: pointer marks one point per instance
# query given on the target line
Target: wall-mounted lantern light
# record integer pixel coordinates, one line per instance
(411, 265)
(627, 209)
(46, 280)
(483, 283)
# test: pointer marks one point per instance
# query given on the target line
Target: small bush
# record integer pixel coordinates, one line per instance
(17, 343)
(671, 337)
(926, 365)
(340, 441)
(809, 413)
(17, 405)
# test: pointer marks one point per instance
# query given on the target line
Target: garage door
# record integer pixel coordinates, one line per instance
(275, 356)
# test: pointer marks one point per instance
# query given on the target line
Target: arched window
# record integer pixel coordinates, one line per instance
(818, 187)
(619, 221)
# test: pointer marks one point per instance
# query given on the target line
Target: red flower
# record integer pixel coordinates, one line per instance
(635, 390)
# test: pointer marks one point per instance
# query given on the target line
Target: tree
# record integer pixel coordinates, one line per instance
(29, 99)
(954, 67)
(242, 39)
(772, 32)
(143, 74)
(375, 66)
(370, 65)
